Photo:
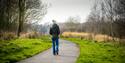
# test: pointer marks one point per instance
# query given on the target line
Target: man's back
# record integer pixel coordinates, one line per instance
(54, 30)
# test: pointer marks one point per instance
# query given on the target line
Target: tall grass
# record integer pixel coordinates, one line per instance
(89, 36)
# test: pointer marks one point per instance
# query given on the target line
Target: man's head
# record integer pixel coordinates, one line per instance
(54, 22)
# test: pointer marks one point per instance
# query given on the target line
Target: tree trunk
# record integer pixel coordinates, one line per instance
(21, 16)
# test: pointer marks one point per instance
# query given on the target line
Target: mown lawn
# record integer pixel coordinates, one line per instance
(93, 52)
(15, 50)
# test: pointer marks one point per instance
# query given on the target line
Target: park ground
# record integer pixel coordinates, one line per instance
(90, 51)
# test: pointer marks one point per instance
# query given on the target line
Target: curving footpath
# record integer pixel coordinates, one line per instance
(68, 53)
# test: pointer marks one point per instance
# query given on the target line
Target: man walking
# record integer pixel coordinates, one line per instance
(55, 31)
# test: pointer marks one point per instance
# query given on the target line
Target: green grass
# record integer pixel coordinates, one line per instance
(15, 50)
(93, 52)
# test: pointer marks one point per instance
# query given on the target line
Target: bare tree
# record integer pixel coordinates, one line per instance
(72, 23)
(107, 17)
(15, 14)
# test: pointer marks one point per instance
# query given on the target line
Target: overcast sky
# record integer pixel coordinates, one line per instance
(60, 10)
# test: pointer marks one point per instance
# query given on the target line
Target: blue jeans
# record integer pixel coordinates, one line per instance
(55, 44)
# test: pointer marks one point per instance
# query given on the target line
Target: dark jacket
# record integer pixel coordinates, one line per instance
(54, 31)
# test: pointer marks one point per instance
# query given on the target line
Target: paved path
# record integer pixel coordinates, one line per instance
(68, 53)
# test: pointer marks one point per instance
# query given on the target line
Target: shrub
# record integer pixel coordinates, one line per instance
(30, 35)
(7, 36)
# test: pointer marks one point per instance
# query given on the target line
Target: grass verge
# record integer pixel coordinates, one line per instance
(15, 50)
(94, 52)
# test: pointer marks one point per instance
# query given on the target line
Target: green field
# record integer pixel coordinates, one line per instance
(93, 52)
(15, 50)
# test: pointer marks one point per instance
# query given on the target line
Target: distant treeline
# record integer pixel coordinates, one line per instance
(106, 17)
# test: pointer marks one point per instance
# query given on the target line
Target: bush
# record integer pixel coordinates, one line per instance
(30, 35)
(7, 36)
